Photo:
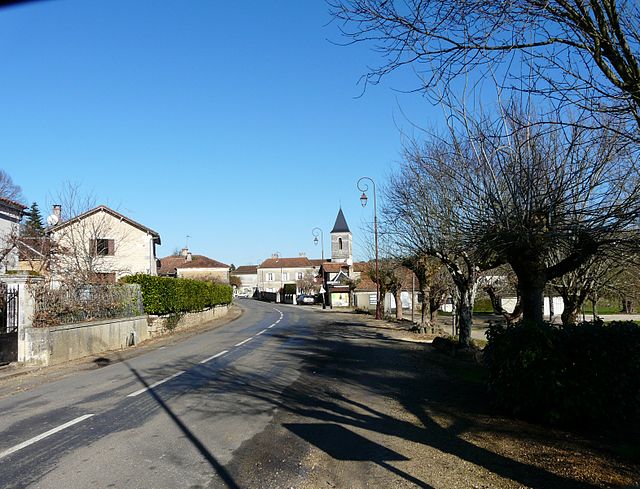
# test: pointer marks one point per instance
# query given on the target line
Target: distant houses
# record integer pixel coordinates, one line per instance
(188, 265)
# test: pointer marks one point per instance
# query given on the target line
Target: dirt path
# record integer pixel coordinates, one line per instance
(375, 409)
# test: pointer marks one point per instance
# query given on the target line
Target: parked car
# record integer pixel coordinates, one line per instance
(306, 299)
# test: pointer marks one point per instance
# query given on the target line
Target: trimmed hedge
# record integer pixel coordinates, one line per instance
(166, 295)
(584, 376)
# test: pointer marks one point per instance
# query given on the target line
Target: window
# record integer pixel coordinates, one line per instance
(340, 243)
(299, 276)
(102, 247)
(285, 276)
(373, 299)
(270, 277)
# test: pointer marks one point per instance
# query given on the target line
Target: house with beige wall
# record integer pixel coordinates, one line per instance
(198, 267)
(275, 272)
(100, 245)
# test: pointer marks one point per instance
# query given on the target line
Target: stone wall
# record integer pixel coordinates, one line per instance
(159, 325)
(58, 344)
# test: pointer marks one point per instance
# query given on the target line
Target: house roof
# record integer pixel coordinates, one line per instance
(341, 224)
(317, 262)
(334, 267)
(297, 262)
(246, 270)
(169, 264)
(12, 204)
(108, 210)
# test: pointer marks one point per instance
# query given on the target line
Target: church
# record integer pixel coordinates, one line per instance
(337, 275)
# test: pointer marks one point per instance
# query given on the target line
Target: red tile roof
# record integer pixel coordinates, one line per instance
(334, 267)
(169, 264)
(245, 270)
(297, 262)
(12, 203)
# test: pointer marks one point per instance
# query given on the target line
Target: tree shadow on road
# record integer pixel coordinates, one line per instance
(339, 359)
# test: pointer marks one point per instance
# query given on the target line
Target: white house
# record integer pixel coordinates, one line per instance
(101, 245)
(10, 215)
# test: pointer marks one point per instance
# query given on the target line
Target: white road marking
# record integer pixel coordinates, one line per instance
(214, 356)
(243, 341)
(263, 331)
(278, 320)
(271, 326)
(156, 384)
(44, 435)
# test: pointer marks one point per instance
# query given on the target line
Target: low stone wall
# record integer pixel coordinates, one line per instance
(159, 325)
(58, 344)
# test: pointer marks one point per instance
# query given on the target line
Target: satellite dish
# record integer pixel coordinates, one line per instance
(52, 220)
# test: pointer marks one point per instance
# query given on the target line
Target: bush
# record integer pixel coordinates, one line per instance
(585, 376)
(165, 295)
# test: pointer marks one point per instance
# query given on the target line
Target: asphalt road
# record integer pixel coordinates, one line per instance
(172, 417)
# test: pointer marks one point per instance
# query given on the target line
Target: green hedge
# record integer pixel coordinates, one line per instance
(584, 376)
(166, 295)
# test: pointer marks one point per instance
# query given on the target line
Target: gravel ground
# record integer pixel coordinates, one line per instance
(378, 407)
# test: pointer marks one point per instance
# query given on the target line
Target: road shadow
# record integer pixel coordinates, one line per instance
(338, 356)
(193, 439)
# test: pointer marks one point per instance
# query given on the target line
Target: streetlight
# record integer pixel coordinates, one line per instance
(316, 232)
(364, 187)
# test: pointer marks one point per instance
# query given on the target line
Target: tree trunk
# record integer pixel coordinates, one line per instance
(425, 321)
(570, 313)
(531, 283)
(464, 312)
(397, 294)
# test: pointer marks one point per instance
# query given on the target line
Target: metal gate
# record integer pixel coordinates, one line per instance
(8, 324)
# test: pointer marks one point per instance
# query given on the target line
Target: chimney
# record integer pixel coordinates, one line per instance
(302, 254)
(57, 211)
(188, 256)
(184, 252)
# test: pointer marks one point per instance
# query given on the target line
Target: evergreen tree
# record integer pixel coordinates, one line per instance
(33, 225)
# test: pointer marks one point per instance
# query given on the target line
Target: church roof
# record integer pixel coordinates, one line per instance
(341, 224)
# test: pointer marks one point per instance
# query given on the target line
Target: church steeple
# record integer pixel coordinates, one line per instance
(341, 248)
(341, 224)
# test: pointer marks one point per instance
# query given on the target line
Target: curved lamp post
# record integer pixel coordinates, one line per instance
(364, 187)
(318, 232)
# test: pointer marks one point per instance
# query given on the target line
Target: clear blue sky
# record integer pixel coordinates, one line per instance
(237, 123)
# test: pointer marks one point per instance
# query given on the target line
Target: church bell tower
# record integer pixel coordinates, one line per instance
(341, 241)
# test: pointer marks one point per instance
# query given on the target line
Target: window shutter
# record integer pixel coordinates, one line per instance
(111, 247)
(93, 247)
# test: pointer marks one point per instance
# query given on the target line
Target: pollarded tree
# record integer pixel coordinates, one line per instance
(426, 213)
(546, 197)
(575, 53)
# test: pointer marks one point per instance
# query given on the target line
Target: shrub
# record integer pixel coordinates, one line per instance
(166, 295)
(581, 376)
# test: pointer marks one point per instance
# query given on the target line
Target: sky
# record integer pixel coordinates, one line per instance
(239, 124)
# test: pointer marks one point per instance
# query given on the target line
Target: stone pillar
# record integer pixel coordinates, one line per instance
(26, 309)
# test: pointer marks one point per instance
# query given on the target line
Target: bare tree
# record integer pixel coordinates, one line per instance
(8, 189)
(84, 242)
(307, 284)
(578, 54)
(425, 213)
(432, 285)
(547, 197)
